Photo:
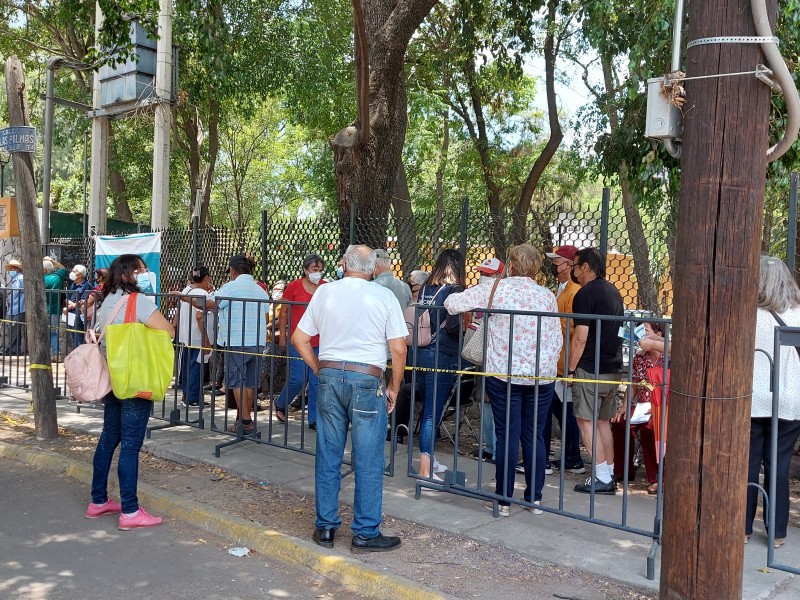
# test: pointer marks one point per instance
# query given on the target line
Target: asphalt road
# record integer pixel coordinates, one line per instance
(48, 550)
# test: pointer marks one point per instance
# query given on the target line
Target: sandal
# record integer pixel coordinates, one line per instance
(280, 415)
(652, 489)
(246, 429)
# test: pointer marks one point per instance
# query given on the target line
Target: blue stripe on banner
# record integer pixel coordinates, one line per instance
(146, 245)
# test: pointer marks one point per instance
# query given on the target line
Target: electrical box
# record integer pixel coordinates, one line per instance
(132, 80)
(664, 119)
(9, 222)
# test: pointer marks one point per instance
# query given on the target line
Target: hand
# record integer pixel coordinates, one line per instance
(391, 399)
(620, 416)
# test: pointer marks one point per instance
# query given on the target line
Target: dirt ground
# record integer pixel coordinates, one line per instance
(455, 565)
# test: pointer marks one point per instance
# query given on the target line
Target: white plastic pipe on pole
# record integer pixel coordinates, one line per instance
(47, 163)
(159, 215)
(98, 179)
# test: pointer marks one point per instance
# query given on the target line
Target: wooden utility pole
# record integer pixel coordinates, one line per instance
(726, 134)
(41, 378)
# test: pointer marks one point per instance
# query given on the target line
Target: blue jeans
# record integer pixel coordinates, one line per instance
(436, 388)
(572, 449)
(348, 398)
(78, 338)
(125, 422)
(55, 323)
(299, 374)
(191, 375)
(520, 406)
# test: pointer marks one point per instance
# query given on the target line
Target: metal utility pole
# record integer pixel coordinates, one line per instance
(42, 392)
(159, 215)
(47, 163)
(723, 170)
(98, 183)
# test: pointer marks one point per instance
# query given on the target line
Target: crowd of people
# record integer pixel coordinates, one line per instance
(346, 338)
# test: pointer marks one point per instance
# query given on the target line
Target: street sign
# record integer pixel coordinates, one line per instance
(18, 139)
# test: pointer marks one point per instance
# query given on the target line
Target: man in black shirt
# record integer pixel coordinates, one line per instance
(597, 296)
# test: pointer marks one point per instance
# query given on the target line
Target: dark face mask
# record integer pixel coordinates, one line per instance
(553, 269)
(572, 276)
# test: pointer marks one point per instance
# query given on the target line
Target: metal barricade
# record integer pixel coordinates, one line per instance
(467, 478)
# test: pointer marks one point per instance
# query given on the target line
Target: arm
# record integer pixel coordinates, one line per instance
(158, 321)
(282, 324)
(397, 347)
(652, 343)
(475, 297)
(576, 347)
(302, 343)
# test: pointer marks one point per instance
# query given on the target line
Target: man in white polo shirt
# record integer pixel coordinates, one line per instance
(354, 320)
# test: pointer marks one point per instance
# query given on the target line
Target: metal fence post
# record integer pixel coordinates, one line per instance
(353, 210)
(791, 229)
(264, 246)
(464, 221)
(604, 221)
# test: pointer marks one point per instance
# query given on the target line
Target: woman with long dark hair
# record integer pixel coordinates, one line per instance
(447, 277)
(124, 419)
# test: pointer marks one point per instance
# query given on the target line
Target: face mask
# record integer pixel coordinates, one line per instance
(572, 276)
(14, 274)
(72, 276)
(315, 277)
(339, 272)
(277, 294)
(553, 269)
(486, 279)
(143, 282)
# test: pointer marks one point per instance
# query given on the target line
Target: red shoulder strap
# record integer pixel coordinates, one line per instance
(130, 310)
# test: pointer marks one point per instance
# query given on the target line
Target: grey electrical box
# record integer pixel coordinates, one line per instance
(664, 119)
(133, 79)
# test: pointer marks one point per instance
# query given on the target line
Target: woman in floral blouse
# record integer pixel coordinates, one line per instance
(513, 355)
(642, 361)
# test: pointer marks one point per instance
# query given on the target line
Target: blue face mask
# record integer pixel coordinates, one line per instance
(143, 283)
(339, 272)
(14, 274)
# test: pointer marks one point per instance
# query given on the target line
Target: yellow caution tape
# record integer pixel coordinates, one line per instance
(42, 367)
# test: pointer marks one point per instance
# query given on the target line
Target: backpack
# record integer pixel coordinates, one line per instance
(86, 371)
(423, 324)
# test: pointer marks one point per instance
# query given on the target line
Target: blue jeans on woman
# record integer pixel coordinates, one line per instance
(350, 398)
(191, 376)
(436, 388)
(299, 375)
(520, 406)
(125, 423)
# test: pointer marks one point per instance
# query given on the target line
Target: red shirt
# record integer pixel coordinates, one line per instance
(295, 292)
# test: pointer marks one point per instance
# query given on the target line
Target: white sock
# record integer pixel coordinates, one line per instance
(611, 470)
(601, 472)
(133, 514)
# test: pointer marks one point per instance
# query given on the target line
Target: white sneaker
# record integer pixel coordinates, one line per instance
(505, 511)
(548, 470)
(533, 509)
(437, 467)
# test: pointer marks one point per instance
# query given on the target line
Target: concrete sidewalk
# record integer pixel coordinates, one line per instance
(568, 542)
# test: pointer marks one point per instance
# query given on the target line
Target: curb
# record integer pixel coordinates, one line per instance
(348, 572)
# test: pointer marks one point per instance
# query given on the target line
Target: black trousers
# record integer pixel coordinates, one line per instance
(760, 440)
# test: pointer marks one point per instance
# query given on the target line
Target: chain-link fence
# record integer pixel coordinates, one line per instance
(639, 243)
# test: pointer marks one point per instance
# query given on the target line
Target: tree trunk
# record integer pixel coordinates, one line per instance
(191, 136)
(37, 322)
(645, 284)
(122, 209)
(405, 224)
(723, 166)
(520, 216)
(366, 170)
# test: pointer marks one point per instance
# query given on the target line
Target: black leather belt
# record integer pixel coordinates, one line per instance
(342, 365)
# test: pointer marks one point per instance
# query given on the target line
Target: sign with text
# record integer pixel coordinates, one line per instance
(18, 139)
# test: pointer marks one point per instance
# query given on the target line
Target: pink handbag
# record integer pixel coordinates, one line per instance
(87, 375)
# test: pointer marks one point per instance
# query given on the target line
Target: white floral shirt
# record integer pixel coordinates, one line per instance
(521, 294)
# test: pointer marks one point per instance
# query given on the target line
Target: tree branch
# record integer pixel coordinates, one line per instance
(362, 71)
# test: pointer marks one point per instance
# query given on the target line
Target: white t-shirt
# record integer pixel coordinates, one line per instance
(789, 397)
(354, 319)
(188, 329)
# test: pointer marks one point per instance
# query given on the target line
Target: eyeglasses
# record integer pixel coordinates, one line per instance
(576, 265)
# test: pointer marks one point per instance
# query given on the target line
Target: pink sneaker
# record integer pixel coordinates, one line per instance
(140, 519)
(98, 510)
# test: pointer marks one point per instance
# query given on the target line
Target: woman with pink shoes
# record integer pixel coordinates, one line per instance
(124, 419)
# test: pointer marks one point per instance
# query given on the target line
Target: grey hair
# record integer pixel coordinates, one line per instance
(382, 259)
(48, 266)
(418, 277)
(81, 269)
(777, 289)
(359, 259)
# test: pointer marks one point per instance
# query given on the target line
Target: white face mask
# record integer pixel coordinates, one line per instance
(277, 294)
(73, 276)
(314, 277)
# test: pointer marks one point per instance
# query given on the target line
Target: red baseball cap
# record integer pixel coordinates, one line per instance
(567, 252)
(491, 266)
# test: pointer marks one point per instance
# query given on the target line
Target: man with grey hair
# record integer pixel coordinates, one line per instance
(54, 276)
(383, 276)
(354, 320)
